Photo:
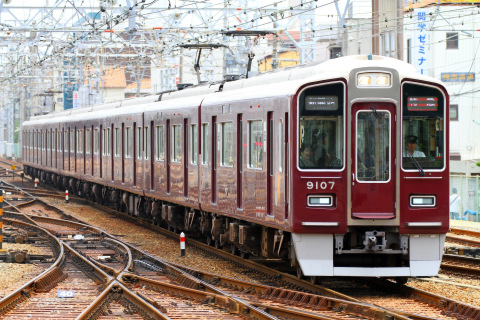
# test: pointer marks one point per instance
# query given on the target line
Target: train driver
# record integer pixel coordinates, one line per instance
(410, 150)
(306, 157)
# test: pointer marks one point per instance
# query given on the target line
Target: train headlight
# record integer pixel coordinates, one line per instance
(423, 201)
(374, 79)
(320, 201)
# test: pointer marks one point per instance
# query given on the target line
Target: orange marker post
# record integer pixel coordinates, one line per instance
(182, 244)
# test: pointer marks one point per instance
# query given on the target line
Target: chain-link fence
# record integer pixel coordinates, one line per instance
(467, 188)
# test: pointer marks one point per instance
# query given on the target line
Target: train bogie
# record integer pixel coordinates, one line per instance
(340, 168)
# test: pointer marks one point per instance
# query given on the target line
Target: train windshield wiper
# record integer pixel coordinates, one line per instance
(375, 113)
(415, 162)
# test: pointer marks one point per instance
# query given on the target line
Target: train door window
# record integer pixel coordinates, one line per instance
(54, 136)
(194, 142)
(139, 143)
(160, 144)
(204, 143)
(227, 144)
(128, 142)
(423, 122)
(59, 141)
(320, 128)
(65, 140)
(48, 139)
(79, 141)
(255, 144)
(177, 143)
(106, 143)
(373, 146)
(117, 140)
(96, 141)
(88, 142)
(72, 141)
(146, 143)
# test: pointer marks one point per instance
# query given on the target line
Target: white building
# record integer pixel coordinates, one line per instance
(442, 41)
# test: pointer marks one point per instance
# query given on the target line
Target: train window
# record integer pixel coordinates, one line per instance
(128, 142)
(54, 136)
(423, 136)
(146, 142)
(160, 141)
(139, 143)
(59, 141)
(204, 143)
(227, 144)
(321, 130)
(65, 140)
(177, 143)
(194, 141)
(49, 139)
(373, 146)
(280, 145)
(106, 142)
(255, 144)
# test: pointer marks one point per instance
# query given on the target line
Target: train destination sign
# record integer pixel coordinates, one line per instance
(422, 104)
(321, 103)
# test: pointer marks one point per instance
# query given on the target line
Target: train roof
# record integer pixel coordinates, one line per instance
(285, 82)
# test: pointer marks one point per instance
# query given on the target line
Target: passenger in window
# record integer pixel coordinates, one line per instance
(306, 157)
(333, 161)
(410, 150)
(321, 153)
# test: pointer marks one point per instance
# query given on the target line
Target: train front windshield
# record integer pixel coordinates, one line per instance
(423, 136)
(321, 136)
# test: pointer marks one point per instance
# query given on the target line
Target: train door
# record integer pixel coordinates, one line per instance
(169, 143)
(373, 144)
(185, 158)
(239, 161)
(214, 159)
(269, 146)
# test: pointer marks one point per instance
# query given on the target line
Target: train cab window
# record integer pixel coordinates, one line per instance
(88, 141)
(128, 142)
(177, 143)
(373, 145)
(160, 144)
(255, 144)
(227, 144)
(194, 142)
(423, 136)
(321, 128)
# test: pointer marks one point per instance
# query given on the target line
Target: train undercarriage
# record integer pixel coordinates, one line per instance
(240, 237)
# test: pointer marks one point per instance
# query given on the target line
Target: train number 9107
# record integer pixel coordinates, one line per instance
(320, 185)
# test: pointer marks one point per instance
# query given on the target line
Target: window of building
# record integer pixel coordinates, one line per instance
(194, 141)
(454, 112)
(204, 143)
(160, 144)
(255, 145)
(128, 142)
(335, 52)
(452, 40)
(177, 143)
(227, 144)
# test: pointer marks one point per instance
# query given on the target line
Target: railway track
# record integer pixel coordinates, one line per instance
(283, 289)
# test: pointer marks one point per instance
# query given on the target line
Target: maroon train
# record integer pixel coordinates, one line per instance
(340, 168)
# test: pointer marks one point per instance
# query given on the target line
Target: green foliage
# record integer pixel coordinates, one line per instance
(478, 164)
